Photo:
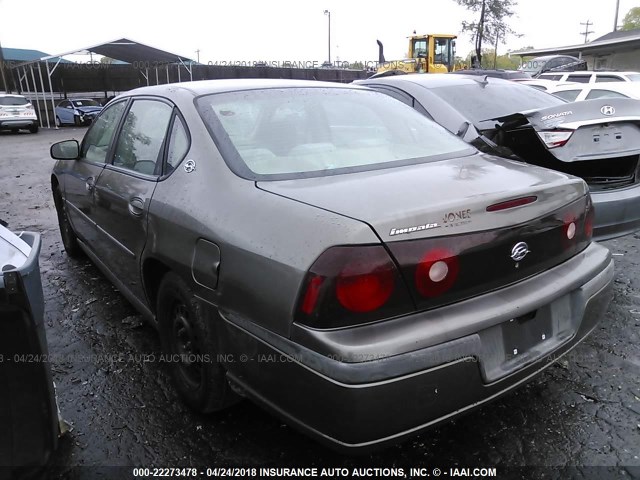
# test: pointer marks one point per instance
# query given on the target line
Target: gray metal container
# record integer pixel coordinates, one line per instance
(28, 411)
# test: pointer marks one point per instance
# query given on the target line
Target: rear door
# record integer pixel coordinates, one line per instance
(124, 190)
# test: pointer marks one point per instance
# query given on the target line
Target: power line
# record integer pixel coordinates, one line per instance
(586, 30)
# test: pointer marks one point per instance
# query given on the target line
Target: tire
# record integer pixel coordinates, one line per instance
(15, 130)
(33, 128)
(58, 122)
(76, 121)
(186, 329)
(69, 238)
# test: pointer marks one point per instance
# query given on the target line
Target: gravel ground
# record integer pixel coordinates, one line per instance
(582, 412)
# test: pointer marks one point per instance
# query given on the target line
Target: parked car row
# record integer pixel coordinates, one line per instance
(395, 249)
(17, 112)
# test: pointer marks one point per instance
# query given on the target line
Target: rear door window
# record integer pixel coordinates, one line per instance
(141, 139)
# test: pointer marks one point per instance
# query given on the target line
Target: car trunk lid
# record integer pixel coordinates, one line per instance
(602, 128)
(436, 199)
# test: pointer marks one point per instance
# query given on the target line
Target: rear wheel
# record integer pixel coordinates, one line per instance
(69, 238)
(58, 122)
(189, 338)
(33, 128)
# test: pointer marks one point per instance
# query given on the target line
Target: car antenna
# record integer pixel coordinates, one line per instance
(482, 81)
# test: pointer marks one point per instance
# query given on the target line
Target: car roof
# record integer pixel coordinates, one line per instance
(11, 95)
(204, 87)
(498, 73)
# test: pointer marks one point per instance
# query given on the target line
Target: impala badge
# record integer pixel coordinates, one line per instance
(608, 110)
(189, 166)
(519, 251)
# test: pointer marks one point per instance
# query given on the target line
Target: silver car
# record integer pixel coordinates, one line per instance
(598, 140)
(330, 253)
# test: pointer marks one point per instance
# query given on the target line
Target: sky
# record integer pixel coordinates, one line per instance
(286, 30)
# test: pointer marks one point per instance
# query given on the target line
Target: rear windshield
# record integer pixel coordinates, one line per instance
(634, 77)
(274, 134)
(481, 104)
(13, 101)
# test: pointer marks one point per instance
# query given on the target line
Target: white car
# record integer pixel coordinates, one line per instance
(576, 92)
(16, 112)
(591, 77)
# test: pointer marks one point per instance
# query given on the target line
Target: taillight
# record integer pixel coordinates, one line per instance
(360, 288)
(349, 286)
(436, 273)
(555, 138)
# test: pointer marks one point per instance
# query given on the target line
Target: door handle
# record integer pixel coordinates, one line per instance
(90, 184)
(136, 206)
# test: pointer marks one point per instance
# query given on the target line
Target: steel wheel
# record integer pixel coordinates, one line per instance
(189, 337)
(185, 343)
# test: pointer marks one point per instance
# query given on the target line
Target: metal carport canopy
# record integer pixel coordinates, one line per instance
(129, 51)
(126, 50)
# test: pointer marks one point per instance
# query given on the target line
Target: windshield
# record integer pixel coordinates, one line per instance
(13, 101)
(85, 103)
(300, 132)
(482, 103)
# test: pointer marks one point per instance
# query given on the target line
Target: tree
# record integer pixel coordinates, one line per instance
(492, 26)
(631, 20)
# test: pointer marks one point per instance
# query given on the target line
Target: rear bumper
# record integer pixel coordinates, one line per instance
(331, 387)
(617, 212)
(18, 123)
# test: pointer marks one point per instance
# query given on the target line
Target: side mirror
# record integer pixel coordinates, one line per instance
(66, 150)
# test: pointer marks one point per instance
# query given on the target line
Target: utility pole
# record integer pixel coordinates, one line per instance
(586, 30)
(615, 21)
(327, 12)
